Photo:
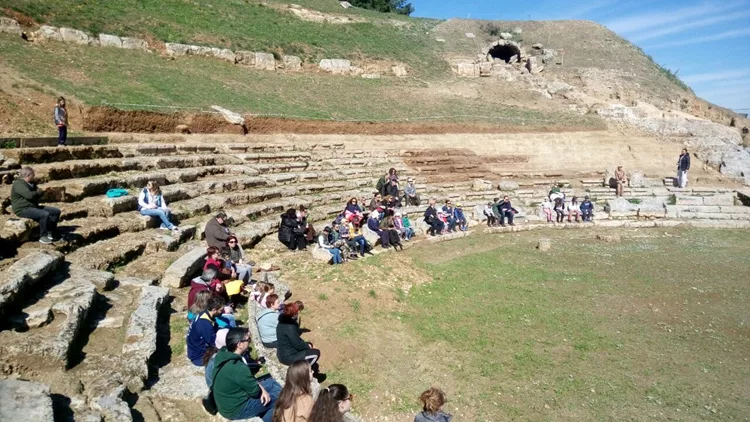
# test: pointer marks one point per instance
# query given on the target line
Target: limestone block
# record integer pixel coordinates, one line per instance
(47, 32)
(485, 69)
(320, 254)
(25, 401)
(114, 408)
(244, 57)
(140, 341)
(689, 200)
(265, 61)
(292, 63)
(336, 66)
(174, 49)
(399, 71)
(480, 185)
(479, 213)
(537, 46)
(371, 237)
(371, 76)
(184, 268)
(34, 317)
(134, 43)
(557, 87)
(506, 35)
(544, 245)
(467, 70)
(76, 37)
(21, 277)
(106, 40)
(534, 66)
(10, 26)
(722, 200)
(224, 54)
(507, 185)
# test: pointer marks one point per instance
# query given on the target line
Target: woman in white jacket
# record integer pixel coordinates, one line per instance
(152, 204)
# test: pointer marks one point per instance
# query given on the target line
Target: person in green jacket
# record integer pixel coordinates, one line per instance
(237, 393)
(25, 197)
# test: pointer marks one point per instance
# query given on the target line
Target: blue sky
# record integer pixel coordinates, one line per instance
(708, 41)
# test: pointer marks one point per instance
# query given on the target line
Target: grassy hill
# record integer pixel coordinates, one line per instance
(92, 75)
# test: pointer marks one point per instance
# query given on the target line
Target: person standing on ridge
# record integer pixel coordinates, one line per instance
(61, 120)
(683, 165)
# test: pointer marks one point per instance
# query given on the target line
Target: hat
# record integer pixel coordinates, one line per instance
(458, 205)
(221, 338)
(586, 197)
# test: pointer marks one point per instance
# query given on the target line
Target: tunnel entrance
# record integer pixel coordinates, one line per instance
(505, 52)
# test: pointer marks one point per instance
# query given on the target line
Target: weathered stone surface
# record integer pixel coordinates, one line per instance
(9, 26)
(480, 185)
(174, 49)
(399, 71)
(16, 230)
(19, 279)
(224, 54)
(292, 63)
(265, 61)
(106, 40)
(638, 180)
(245, 57)
(34, 317)
(336, 66)
(723, 200)
(370, 236)
(229, 115)
(320, 254)
(73, 298)
(113, 407)
(101, 279)
(507, 185)
(371, 75)
(537, 46)
(506, 35)
(76, 37)
(134, 281)
(184, 268)
(134, 43)
(140, 340)
(25, 401)
(544, 245)
(467, 70)
(47, 32)
(534, 66)
(609, 238)
(181, 381)
(557, 87)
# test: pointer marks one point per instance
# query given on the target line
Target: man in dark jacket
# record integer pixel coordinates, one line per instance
(237, 393)
(202, 332)
(683, 165)
(373, 223)
(431, 218)
(216, 232)
(587, 209)
(25, 197)
(392, 191)
(506, 210)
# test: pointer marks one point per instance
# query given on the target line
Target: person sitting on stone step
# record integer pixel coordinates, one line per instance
(450, 218)
(213, 258)
(573, 208)
(394, 236)
(587, 209)
(411, 197)
(507, 211)
(340, 239)
(267, 319)
(291, 233)
(325, 242)
(400, 221)
(392, 191)
(310, 234)
(352, 207)
(620, 180)
(496, 210)
(559, 208)
(458, 215)
(290, 345)
(295, 402)
(151, 203)
(373, 223)
(376, 202)
(24, 200)
(332, 404)
(356, 236)
(390, 203)
(384, 181)
(202, 332)
(491, 221)
(216, 231)
(546, 207)
(432, 220)
(236, 256)
(238, 394)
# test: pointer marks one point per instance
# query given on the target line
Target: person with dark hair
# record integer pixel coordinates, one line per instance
(507, 211)
(373, 223)
(295, 401)
(290, 346)
(151, 203)
(450, 215)
(573, 208)
(489, 214)
(458, 214)
(216, 231)
(392, 190)
(267, 320)
(432, 220)
(324, 242)
(24, 199)
(587, 209)
(236, 255)
(202, 332)
(356, 236)
(61, 121)
(291, 234)
(559, 209)
(683, 165)
(333, 402)
(237, 393)
(432, 404)
(376, 201)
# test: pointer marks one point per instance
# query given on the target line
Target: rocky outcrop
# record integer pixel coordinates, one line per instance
(19, 280)
(140, 338)
(184, 268)
(9, 26)
(292, 63)
(336, 66)
(265, 61)
(77, 37)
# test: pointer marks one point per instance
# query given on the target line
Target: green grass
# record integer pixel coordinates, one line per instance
(579, 333)
(241, 25)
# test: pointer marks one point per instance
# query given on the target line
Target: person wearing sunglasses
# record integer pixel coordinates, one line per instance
(333, 402)
(237, 258)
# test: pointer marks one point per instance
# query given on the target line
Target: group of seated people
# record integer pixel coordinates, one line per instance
(294, 231)
(388, 193)
(445, 220)
(556, 204)
(498, 211)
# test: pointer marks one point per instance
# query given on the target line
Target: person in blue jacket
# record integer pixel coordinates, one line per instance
(202, 332)
(587, 209)
(507, 211)
(458, 215)
(373, 223)
(450, 215)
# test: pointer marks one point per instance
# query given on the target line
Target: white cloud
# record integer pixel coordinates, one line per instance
(657, 19)
(731, 75)
(700, 23)
(736, 33)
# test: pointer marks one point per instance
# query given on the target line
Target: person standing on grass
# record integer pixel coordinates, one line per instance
(683, 165)
(24, 199)
(61, 120)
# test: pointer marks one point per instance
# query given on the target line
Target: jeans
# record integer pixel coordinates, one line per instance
(243, 272)
(408, 233)
(586, 215)
(385, 239)
(336, 252)
(436, 227)
(62, 135)
(163, 215)
(506, 213)
(491, 220)
(360, 240)
(47, 217)
(451, 224)
(254, 407)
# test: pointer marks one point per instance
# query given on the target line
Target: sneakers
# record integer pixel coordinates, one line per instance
(45, 240)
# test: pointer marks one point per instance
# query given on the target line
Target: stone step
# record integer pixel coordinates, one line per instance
(28, 156)
(113, 252)
(25, 401)
(22, 278)
(54, 321)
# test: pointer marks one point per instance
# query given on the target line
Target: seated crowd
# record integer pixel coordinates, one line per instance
(555, 204)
